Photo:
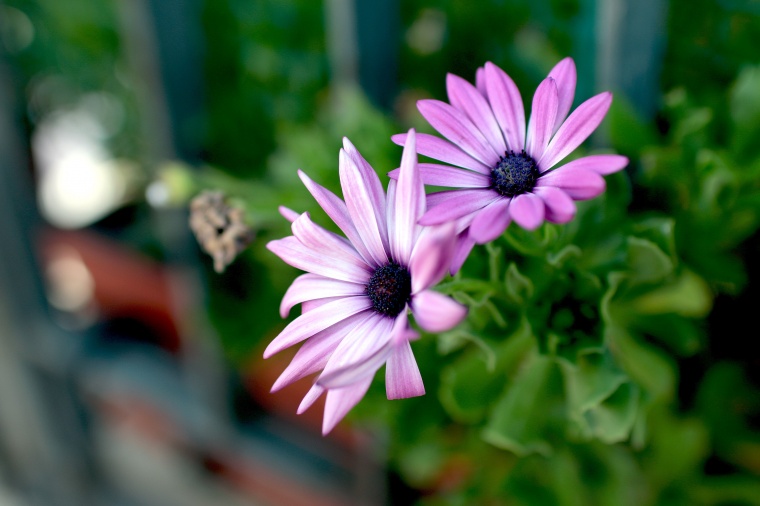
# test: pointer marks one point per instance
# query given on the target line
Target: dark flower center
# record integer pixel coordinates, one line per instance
(390, 289)
(515, 173)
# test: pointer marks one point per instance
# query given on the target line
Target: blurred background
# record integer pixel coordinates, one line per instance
(131, 371)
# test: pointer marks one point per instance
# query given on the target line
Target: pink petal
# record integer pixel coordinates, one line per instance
(310, 305)
(338, 212)
(324, 242)
(363, 207)
(446, 175)
(491, 221)
(527, 210)
(373, 184)
(470, 101)
(576, 129)
(435, 312)
(507, 106)
(565, 75)
(288, 214)
(314, 353)
(311, 396)
(402, 376)
(457, 128)
(339, 402)
(580, 184)
(312, 286)
(432, 256)
(315, 321)
(601, 164)
(408, 204)
(439, 149)
(456, 206)
(325, 263)
(560, 208)
(480, 81)
(360, 354)
(464, 246)
(543, 113)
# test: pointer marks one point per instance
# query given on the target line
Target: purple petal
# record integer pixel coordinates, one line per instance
(580, 184)
(507, 106)
(327, 243)
(491, 221)
(527, 210)
(311, 396)
(288, 214)
(337, 211)
(543, 113)
(457, 128)
(312, 286)
(601, 164)
(560, 208)
(432, 256)
(565, 75)
(439, 149)
(480, 81)
(408, 204)
(402, 376)
(470, 101)
(339, 402)
(456, 206)
(435, 312)
(314, 353)
(464, 246)
(363, 207)
(576, 129)
(360, 354)
(310, 305)
(446, 175)
(373, 183)
(315, 321)
(325, 263)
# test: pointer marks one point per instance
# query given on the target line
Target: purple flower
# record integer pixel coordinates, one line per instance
(357, 291)
(502, 173)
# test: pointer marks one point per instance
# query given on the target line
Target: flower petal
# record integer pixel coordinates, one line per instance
(580, 184)
(310, 305)
(402, 376)
(470, 101)
(366, 211)
(480, 81)
(288, 213)
(491, 221)
(315, 321)
(457, 128)
(338, 212)
(527, 210)
(312, 286)
(507, 106)
(408, 204)
(340, 401)
(455, 204)
(464, 246)
(601, 164)
(576, 129)
(445, 175)
(439, 149)
(565, 75)
(324, 262)
(311, 396)
(436, 312)
(432, 256)
(542, 115)
(313, 355)
(324, 242)
(560, 208)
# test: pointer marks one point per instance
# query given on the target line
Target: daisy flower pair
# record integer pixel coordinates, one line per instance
(358, 290)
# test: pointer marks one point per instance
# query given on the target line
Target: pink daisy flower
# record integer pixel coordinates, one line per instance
(503, 173)
(357, 291)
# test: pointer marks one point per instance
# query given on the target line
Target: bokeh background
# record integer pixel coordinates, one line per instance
(617, 363)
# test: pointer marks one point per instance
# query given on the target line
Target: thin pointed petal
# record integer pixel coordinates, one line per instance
(579, 183)
(601, 164)
(439, 149)
(324, 242)
(480, 81)
(432, 256)
(507, 106)
(527, 210)
(436, 312)
(433, 174)
(576, 129)
(453, 207)
(560, 208)
(491, 222)
(324, 263)
(565, 75)
(402, 376)
(470, 101)
(310, 398)
(465, 243)
(543, 113)
(339, 402)
(313, 286)
(288, 213)
(409, 204)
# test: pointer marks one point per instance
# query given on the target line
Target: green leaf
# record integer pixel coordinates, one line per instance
(531, 243)
(647, 262)
(519, 288)
(612, 420)
(687, 296)
(592, 379)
